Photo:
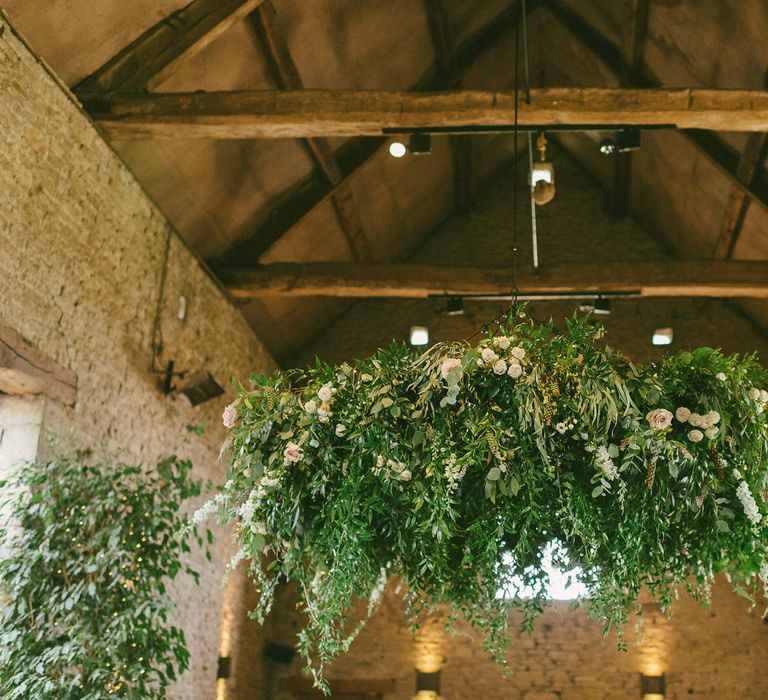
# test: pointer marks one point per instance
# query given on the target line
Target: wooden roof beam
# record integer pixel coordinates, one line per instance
(155, 55)
(299, 202)
(662, 278)
(328, 113)
(287, 77)
(447, 68)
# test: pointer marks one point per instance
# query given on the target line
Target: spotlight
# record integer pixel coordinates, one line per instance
(663, 336)
(602, 307)
(420, 144)
(454, 307)
(397, 149)
(652, 687)
(419, 335)
(627, 140)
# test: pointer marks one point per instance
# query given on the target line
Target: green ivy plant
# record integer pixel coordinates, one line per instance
(88, 553)
(457, 469)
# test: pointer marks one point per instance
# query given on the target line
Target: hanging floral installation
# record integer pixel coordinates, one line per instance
(457, 468)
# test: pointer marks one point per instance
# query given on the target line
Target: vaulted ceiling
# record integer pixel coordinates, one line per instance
(241, 202)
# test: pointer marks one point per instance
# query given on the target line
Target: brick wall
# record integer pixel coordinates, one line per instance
(82, 256)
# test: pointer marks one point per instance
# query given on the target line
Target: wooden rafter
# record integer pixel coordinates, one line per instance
(287, 77)
(604, 50)
(447, 68)
(750, 164)
(150, 59)
(327, 113)
(299, 202)
(662, 278)
(622, 162)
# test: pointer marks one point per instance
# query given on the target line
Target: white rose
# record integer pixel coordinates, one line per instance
(293, 453)
(561, 427)
(706, 422)
(720, 376)
(713, 417)
(326, 393)
(489, 356)
(310, 406)
(340, 429)
(515, 371)
(754, 393)
(764, 396)
(448, 365)
(682, 414)
(712, 432)
(695, 420)
(517, 352)
(499, 367)
(323, 414)
(695, 436)
(502, 342)
(659, 418)
(405, 475)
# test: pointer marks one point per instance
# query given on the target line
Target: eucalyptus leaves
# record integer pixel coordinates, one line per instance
(83, 606)
(457, 469)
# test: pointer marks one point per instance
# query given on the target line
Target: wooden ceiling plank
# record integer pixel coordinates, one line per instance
(287, 77)
(155, 55)
(329, 113)
(662, 278)
(305, 197)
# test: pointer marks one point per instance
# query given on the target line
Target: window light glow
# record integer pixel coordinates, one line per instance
(419, 335)
(562, 584)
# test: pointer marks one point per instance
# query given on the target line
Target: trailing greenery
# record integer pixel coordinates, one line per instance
(456, 470)
(89, 550)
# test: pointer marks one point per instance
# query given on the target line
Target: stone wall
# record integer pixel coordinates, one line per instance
(705, 654)
(86, 262)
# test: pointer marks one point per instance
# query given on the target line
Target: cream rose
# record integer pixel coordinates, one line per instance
(695, 420)
(326, 393)
(659, 418)
(293, 453)
(754, 393)
(714, 417)
(515, 371)
(682, 414)
(448, 365)
(489, 356)
(764, 395)
(405, 475)
(712, 432)
(695, 436)
(499, 367)
(517, 353)
(310, 406)
(502, 342)
(720, 376)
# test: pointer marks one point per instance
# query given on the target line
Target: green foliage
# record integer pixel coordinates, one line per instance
(85, 613)
(458, 468)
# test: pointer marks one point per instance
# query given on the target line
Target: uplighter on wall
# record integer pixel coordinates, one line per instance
(652, 687)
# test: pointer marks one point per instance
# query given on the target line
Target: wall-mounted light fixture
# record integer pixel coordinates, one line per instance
(427, 685)
(652, 687)
(200, 387)
(454, 306)
(602, 307)
(224, 667)
(420, 144)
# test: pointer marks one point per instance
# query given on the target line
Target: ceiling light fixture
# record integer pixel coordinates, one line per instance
(397, 149)
(420, 144)
(419, 335)
(663, 336)
(602, 307)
